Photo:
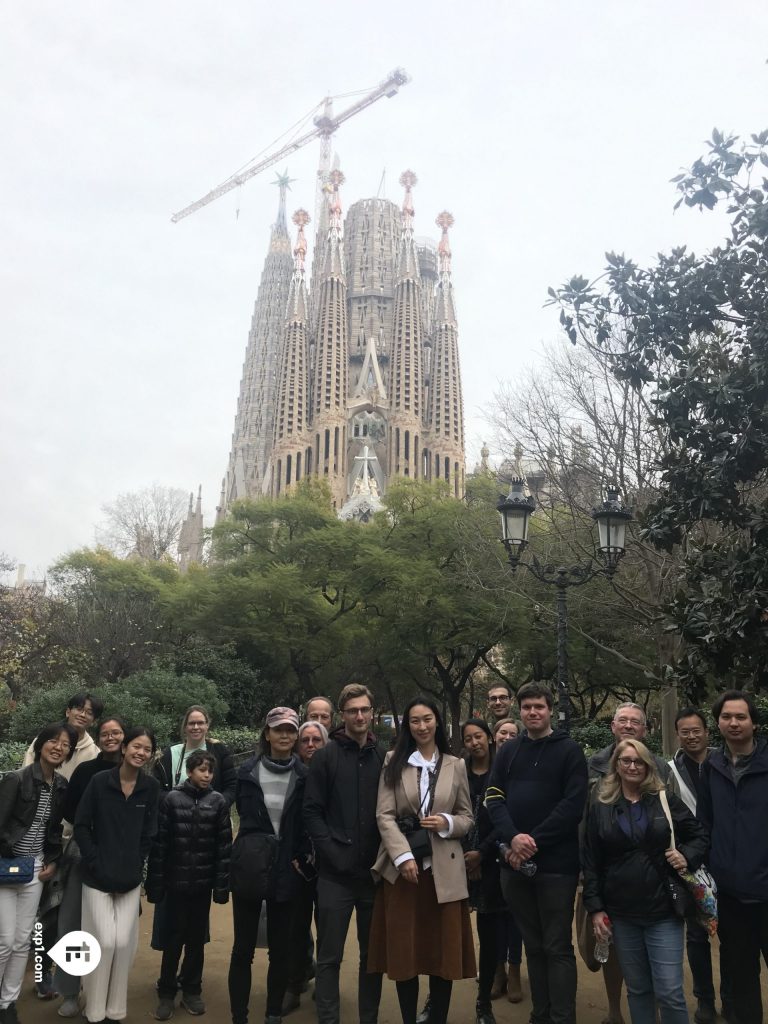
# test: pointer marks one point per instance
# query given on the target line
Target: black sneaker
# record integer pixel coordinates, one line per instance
(484, 1013)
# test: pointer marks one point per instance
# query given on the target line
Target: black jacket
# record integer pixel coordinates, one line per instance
(737, 818)
(539, 788)
(78, 784)
(254, 818)
(485, 894)
(190, 853)
(340, 806)
(115, 833)
(19, 796)
(623, 875)
(224, 772)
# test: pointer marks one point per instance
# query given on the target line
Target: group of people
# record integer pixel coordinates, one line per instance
(410, 840)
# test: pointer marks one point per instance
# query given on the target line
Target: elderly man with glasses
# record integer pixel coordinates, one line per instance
(340, 816)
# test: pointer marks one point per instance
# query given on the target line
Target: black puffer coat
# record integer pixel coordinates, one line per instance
(190, 854)
(623, 875)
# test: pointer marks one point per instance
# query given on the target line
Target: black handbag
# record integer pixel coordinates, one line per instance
(251, 863)
(16, 870)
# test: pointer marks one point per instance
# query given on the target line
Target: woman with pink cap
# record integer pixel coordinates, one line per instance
(269, 798)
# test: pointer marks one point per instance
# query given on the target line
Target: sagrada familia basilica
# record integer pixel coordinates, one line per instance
(352, 376)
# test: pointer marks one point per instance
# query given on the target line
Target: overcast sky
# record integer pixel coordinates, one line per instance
(549, 130)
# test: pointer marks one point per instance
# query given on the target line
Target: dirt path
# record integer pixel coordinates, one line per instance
(591, 1003)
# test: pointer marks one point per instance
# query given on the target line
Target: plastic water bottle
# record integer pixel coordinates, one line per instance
(603, 946)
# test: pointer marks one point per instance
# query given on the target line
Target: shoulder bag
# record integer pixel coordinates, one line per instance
(21, 870)
(700, 887)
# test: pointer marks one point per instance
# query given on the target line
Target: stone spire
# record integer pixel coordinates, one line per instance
(252, 438)
(291, 452)
(446, 412)
(192, 534)
(406, 380)
(331, 363)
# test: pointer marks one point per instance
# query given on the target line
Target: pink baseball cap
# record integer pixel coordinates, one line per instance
(282, 716)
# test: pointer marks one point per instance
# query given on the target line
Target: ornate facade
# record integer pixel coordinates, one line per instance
(360, 381)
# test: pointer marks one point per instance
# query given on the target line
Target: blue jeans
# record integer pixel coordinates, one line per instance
(651, 958)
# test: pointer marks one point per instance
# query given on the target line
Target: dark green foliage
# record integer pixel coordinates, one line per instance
(697, 332)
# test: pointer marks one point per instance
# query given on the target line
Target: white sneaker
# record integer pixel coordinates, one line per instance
(70, 1007)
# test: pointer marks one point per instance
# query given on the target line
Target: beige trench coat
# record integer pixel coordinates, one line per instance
(451, 796)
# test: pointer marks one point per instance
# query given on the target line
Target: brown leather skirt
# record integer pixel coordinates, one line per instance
(411, 933)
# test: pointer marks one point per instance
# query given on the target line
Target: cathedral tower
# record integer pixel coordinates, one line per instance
(357, 382)
(247, 471)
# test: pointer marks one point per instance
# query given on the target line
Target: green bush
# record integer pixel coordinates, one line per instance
(157, 698)
(592, 736)
(11, 755)
(239, 741)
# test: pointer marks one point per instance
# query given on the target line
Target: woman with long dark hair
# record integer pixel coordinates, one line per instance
(115, 823)
(31, 802)
(421, 915)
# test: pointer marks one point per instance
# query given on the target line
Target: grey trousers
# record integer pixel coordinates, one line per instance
(70, 910)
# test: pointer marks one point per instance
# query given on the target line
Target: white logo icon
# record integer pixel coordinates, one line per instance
(76, 953)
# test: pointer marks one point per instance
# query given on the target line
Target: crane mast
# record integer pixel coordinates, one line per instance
(325, 126)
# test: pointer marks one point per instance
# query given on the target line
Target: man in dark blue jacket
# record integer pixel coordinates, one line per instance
(535, 799)
(733, 804)
(340, 816)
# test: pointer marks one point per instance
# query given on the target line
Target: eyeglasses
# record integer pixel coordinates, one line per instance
(116, 735)
(62, 744)
(693, 733)
(196, 725)
(499, 700)
(630, 721)
(631, 762)
(353, 712)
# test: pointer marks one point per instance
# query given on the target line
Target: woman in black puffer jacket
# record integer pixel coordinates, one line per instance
(188, 861)
(269, 800)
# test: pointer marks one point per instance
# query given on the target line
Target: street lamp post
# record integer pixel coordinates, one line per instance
(611, 518)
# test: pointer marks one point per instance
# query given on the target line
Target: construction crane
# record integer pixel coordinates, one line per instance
(325, 126)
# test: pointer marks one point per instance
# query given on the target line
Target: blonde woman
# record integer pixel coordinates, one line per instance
(626, 857)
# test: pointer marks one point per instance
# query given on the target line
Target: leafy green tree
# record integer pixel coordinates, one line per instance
(115, 612)
(697, 334)
(155, 697)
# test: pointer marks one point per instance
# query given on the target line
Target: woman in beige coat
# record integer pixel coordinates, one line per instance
(421, 914)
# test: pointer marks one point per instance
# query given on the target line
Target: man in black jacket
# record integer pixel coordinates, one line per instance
(535, 799)
(340, 816)
(733, 804)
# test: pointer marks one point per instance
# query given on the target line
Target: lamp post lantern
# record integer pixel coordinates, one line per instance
(611, 517)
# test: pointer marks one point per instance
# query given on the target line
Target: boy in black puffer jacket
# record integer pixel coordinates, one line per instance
(189, 861)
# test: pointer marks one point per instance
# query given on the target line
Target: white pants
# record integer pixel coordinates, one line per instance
(18, 909)
(112, 918)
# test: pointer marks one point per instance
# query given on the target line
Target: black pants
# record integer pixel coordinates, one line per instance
(439, 999)
(302, 948)
(487, 937)
(187, 929)
(245, 915)
(335, 902)
(700, 961)
(744, 931)
(543, 908)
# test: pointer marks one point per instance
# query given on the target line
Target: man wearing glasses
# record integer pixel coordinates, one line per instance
(340, 816)
(499, 702)
(688, 768)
